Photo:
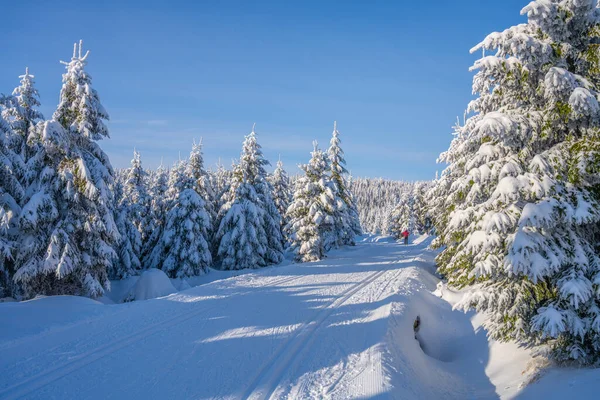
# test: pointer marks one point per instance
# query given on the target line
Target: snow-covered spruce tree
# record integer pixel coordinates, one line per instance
(129, 246)
(156, 216)
(68, 225)
(252, 158)
(346, 219)
(422, 216)
(22, 114)
(221, 180)
(178, 181)
(132, 219)
(185, 238)
(182, 249)
(202, 183)
(522, 207)
(120, 179)
(21, 164)
(311, 226)
(175, 184)
(282, 195)
(11, 196)
(249, 234)
(135, 192)
(184, 242)
(221, 183)
(402, 217)
(240, 239)
(436, 198)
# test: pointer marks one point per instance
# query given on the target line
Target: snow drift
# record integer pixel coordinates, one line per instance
(152, 283)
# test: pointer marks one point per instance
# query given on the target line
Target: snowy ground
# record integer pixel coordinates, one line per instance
(341, 328)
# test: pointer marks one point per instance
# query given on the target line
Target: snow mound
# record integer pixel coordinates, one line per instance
(46, 314)
(423, 239)
(508, 366)
(7, 300)
(120, 290)
(152, 283)
(442, 356)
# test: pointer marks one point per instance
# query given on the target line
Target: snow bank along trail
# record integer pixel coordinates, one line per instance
(340, 328)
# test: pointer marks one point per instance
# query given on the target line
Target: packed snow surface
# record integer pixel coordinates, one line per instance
(336, 329)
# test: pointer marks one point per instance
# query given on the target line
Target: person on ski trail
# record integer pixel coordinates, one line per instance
(405, 235)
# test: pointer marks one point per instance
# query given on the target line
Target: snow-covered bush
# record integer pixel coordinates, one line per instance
(151, 284)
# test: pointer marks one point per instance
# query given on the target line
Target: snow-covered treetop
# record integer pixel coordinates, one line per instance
(27, 94)
(27, 101)
(179, 180)
(279, 173)
(136, 172)
(252, 161)
(135, 185)
(161, 179)
(318, 164)
(79, 109)
(195, 163)
(336, 154)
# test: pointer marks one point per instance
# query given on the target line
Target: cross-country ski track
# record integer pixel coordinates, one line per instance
(339, 328)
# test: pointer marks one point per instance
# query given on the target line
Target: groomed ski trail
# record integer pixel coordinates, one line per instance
(328, 329)
(270, 374)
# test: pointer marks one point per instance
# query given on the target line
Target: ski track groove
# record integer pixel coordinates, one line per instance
(10, 344)
(18, 342)
(332, 387)
(13, 344)
(289, 350)
(41, 379)
(283, 281)
(270, 373)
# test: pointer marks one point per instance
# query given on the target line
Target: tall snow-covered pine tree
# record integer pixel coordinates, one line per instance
(249, 233)
(69, 222)
(521, 215)
(282, 195)
(347, 220)
(311, 227)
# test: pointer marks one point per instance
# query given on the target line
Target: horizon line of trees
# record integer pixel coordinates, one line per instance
(389, 207)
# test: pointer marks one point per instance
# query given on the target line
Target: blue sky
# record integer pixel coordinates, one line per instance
(394, 74)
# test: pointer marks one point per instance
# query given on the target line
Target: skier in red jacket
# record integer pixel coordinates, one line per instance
(405, 235)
